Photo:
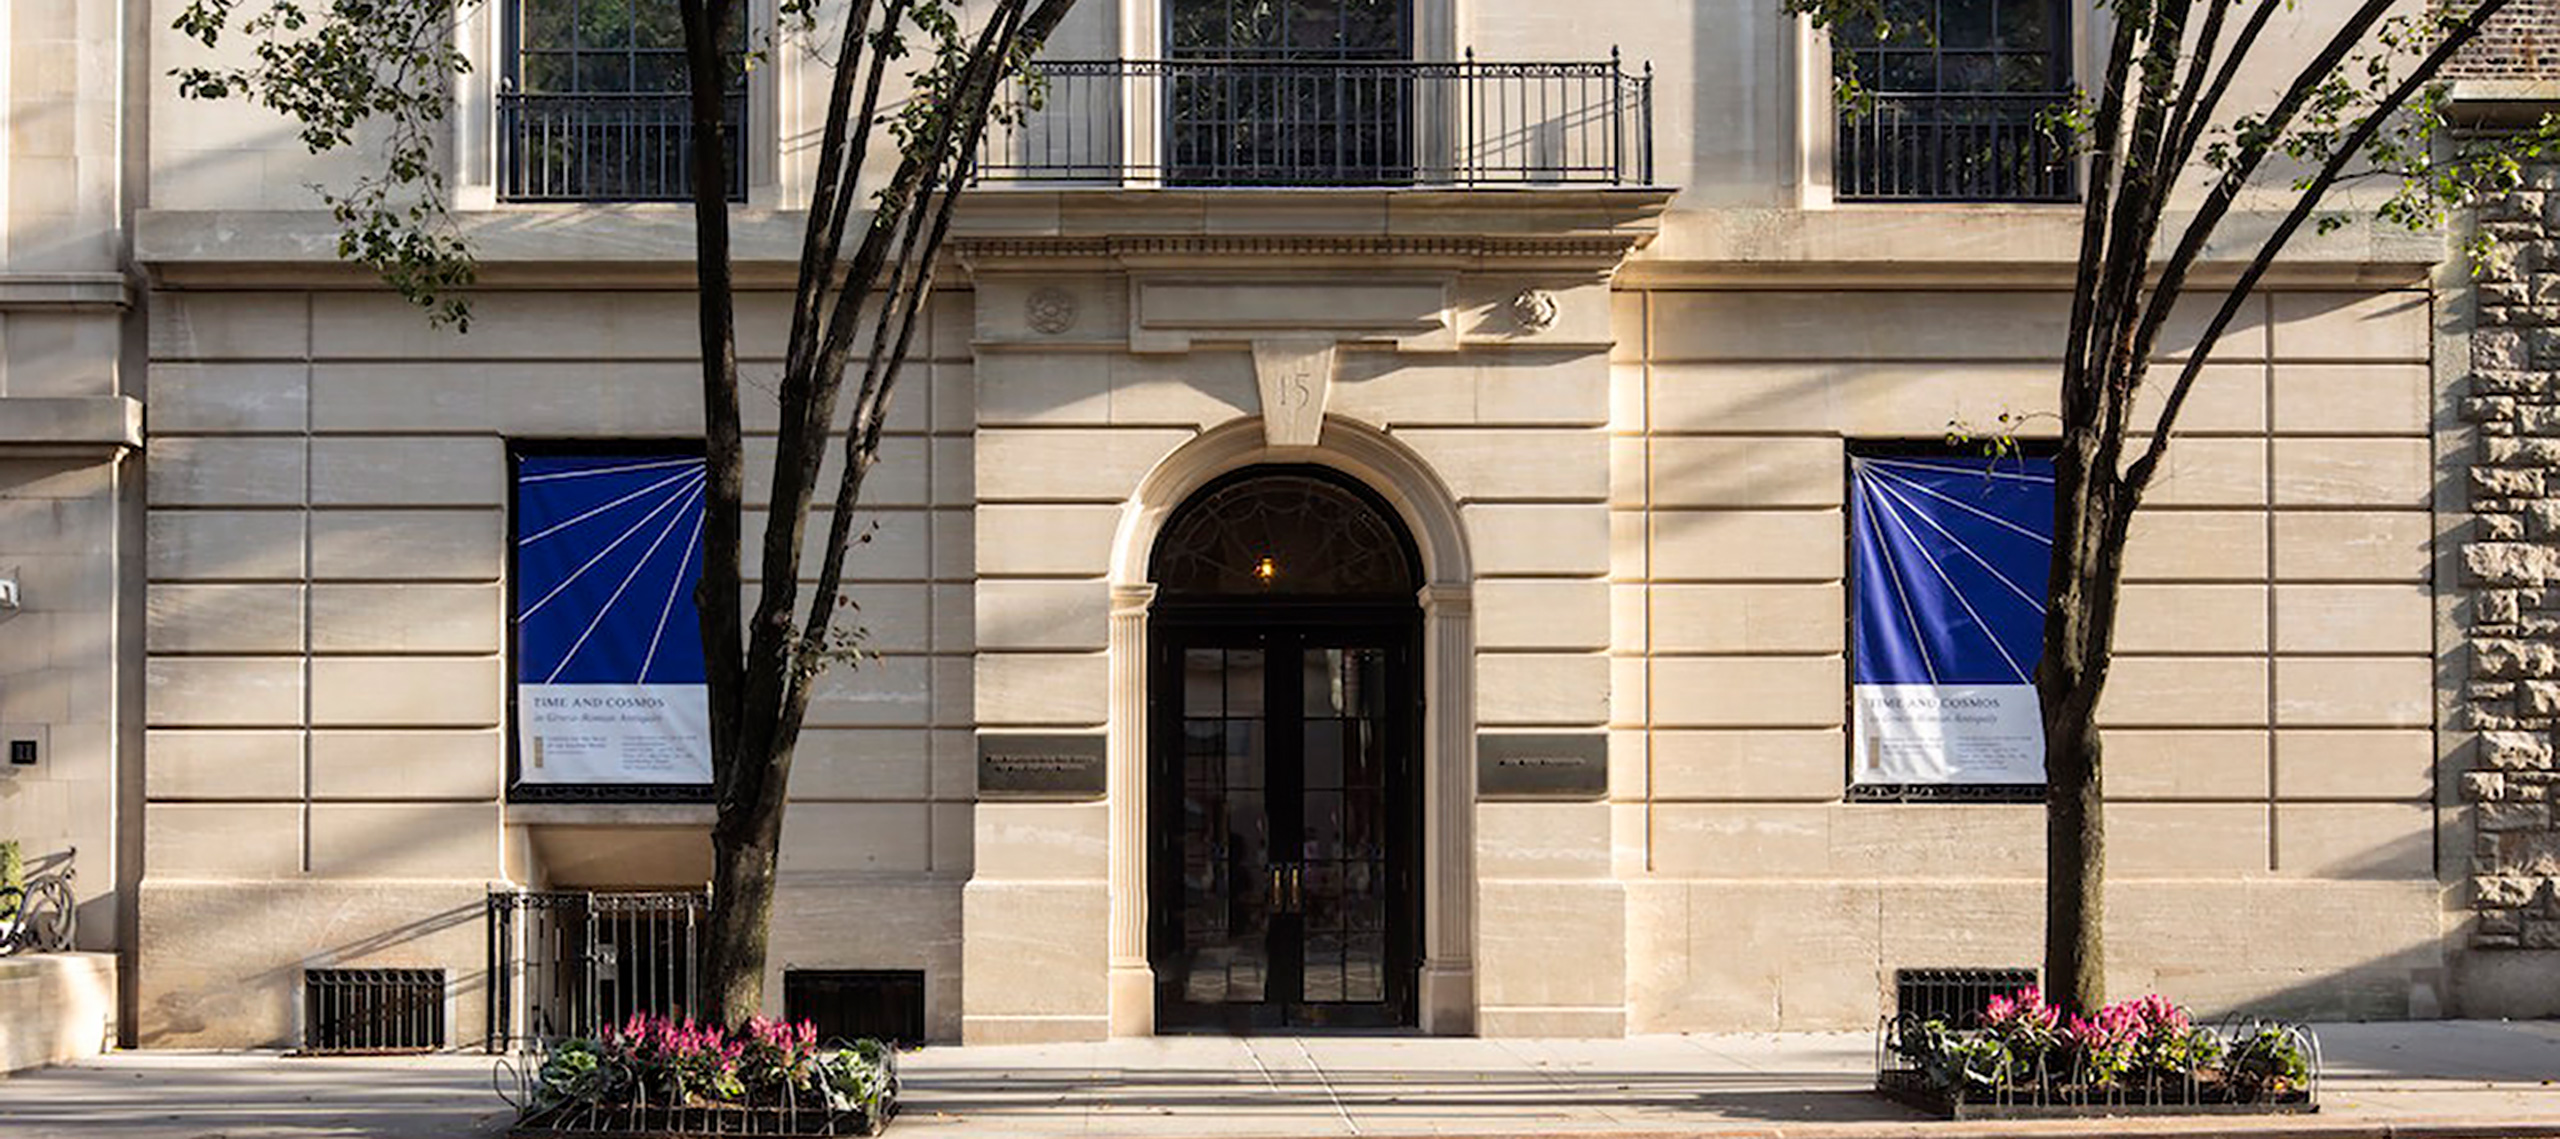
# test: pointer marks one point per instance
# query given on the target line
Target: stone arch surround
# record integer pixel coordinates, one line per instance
(1430, 513)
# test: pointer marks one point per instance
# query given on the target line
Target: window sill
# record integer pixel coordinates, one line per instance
(611, 814)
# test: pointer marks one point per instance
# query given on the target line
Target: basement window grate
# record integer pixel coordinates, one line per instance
(372, 1010)
(1956, 996)
(852, 1004)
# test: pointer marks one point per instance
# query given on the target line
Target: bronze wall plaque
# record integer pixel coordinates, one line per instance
(1025, 765)
(1542, 765)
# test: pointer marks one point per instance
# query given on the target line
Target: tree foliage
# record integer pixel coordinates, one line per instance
(2174, 152)
(351, 71)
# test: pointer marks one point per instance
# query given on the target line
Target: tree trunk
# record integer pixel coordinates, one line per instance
(2075, 899)
(2091, 506)
(733, 962)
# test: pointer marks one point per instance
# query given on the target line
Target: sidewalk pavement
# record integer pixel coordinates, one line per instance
(2438, 1079)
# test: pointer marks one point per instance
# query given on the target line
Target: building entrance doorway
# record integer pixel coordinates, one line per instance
(1284, 788)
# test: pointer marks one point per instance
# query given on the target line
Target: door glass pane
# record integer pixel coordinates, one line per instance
(1323, 759)
(1342, 840)
(1226, 831)
(1243, 756)
(1204, 682)
(1320, 682)
(1204, 753)
(1244, 682)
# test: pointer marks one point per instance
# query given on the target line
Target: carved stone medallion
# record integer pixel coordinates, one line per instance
(1535, 309)
(1050, 309)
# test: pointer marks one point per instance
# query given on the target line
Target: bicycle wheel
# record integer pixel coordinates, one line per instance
(48, 920)
(13, 904)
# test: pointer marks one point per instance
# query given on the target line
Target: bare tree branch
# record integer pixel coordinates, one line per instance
(2140, 474)
(2208, 39)
(879, 384)
(2108, 134)
(723, 658)
(2206, 107)
(2244, 165)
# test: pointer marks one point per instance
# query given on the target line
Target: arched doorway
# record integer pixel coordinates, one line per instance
(1284, 775)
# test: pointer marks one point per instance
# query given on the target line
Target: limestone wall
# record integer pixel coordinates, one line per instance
(69, 501)
(55, 1008)
(2269, 759)
(327, 685)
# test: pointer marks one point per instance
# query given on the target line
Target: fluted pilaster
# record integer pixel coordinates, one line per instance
(1449, 795)
(1132, 981)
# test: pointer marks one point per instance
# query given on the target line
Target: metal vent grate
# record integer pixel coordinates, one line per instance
(1956, 996)
(372, 1010)
(851, 1004)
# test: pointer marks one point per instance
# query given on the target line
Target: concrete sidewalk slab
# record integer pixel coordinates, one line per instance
(2421, 1080)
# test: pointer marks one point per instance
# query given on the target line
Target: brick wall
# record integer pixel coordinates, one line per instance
(2522, 42)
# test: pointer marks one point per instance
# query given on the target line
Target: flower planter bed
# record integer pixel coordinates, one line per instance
(2070, 1103)
(2019, 1060)
(664, 1079)
(632, 1121)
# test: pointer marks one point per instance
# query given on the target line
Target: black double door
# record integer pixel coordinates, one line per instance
(1284, 816)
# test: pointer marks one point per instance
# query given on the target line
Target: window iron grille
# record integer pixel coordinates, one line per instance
(1324, 122)
(1956, 996)
(358, 1011)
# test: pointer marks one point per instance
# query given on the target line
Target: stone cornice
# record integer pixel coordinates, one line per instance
(1003, 229)
(65, 291)
(2501, 104)
(652, 244)
(1226, 249)
(74, 426)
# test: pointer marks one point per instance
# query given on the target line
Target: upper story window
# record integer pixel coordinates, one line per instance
(1956, 103)
(1307, 29)
(1289, 94)
(1323, 93)
(592, 106)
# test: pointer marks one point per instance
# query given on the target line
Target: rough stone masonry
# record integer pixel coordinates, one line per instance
(2511, 571)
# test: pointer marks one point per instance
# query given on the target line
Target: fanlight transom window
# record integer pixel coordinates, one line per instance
(1291, 532)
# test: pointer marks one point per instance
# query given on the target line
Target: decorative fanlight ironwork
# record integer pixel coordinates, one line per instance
(1284, 534)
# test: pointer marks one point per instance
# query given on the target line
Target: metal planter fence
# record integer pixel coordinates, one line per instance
(1330, 122)
(566, 963)
(2060, 1084)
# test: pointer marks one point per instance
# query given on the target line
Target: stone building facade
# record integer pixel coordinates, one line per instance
(1606, 418)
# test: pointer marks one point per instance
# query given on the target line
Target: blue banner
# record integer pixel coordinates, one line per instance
(1948, 563)
(609, 666)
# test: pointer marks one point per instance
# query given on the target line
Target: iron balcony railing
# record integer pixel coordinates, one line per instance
(1955, 148)
(606, 147)
(1265, 122)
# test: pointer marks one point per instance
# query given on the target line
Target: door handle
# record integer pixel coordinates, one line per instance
(1288, 888)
